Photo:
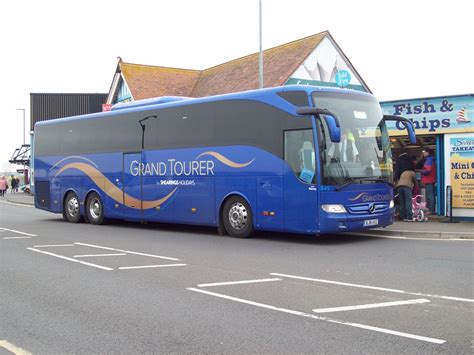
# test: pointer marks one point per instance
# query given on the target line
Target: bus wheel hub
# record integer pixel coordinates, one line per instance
(238, 216)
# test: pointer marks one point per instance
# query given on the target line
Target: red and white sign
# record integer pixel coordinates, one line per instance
(106, 107)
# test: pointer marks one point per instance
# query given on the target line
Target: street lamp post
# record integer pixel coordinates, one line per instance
(24, 142)
(260, 54)
(22, 109)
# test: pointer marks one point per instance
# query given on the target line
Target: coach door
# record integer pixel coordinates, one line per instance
(132, 186)
(300, 188)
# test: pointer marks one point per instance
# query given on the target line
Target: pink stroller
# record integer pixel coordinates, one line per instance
(418, 205)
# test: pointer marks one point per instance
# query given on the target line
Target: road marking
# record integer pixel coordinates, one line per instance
(70, 259)
(17, 204)
(93, 255)
(18, 232)
(375, 288)
(367, 306)
(13, 348)
(302, 314)
(430, 239)
(237, 282)
(53, 245)
(148, 266)
(410, 238)
(16, 238)
(127, 251)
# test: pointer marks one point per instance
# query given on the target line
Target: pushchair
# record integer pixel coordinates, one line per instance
(418, 204)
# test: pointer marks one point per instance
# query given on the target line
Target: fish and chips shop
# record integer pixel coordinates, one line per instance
(445, 125)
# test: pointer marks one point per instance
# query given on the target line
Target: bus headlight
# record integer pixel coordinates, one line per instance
(392, 204)
(333, 208)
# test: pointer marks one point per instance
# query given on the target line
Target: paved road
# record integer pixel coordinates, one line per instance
(131, 288)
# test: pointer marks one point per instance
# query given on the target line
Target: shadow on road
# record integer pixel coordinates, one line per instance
(325, 239)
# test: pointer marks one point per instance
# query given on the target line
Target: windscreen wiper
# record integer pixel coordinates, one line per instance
(345, 184)
(377, 180)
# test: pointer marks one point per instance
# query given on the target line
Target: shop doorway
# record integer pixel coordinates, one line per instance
(401, 145)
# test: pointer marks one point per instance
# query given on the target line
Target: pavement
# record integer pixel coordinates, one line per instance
(435, 228)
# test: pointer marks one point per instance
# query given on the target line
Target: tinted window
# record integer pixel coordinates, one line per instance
(300, 154)
(297, 98)
(230, 122)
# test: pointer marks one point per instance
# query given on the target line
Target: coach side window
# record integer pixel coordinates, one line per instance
(300, 155)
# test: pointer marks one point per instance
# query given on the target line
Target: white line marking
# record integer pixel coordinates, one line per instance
(93, 255)
(17, 204)
(430, 239)
(337, 283)
(375, 288)
(13, 348)
(302, 314)
(70, 259)
(411, 238)
(389, 331)
(148, 266)
(128, 252)
(367, 306)
(53, 245)
(237, 282)
(18, 232)
(17, 238)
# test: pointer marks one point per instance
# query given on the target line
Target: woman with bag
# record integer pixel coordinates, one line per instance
(3, 185)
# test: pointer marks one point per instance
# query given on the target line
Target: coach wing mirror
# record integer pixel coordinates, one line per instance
(332, 121)
(407, 123)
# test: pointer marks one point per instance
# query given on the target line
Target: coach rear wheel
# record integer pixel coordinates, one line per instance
(71, 208)
(94, 209)
(237, 217)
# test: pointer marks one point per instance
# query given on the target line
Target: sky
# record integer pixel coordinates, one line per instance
(402, 49)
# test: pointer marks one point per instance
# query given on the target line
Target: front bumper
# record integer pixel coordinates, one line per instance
(346, 222)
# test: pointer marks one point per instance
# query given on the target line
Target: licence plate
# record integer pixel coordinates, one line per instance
(371, 222)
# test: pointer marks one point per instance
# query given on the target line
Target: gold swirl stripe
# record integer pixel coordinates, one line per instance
(111, 190)
(225, 160)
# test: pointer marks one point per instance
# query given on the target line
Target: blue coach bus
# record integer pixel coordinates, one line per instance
(298, 159)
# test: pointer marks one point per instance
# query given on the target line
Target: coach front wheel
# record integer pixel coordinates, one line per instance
(237, 217)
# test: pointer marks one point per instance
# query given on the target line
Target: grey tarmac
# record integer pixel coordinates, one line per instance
(132, 288)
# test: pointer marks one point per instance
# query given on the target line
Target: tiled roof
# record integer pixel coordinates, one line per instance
(242, 74)
(145, 81)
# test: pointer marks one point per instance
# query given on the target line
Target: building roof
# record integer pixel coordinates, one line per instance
(242, 74)
(145, 81)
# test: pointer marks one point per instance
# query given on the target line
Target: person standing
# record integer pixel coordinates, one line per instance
(3, 185)
(428, 178)
(13, 183)
(404, 187)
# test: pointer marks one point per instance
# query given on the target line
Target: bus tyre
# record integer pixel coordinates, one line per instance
(94, 209)
(71, 208)
(237, 217)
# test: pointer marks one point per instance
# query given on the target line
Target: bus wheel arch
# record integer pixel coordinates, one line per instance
(94, 208)
(236, 216)
(71, 207)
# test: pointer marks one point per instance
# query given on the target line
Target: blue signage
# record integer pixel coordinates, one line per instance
(343, 78)
(452, 114)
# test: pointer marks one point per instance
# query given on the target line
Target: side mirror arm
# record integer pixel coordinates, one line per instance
(407, 123)
(332, 121)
